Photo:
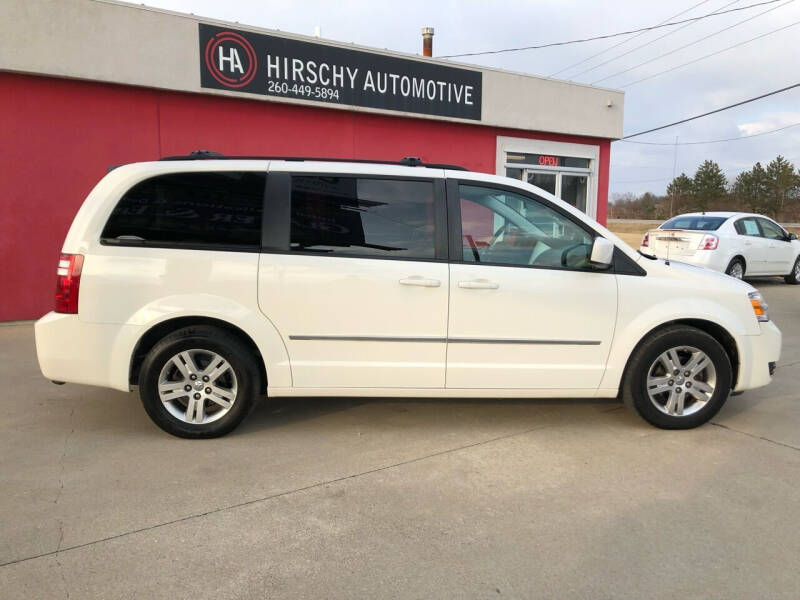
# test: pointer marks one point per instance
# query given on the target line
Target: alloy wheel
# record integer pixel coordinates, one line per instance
(736, 270)
(197, 386)
(681, 381)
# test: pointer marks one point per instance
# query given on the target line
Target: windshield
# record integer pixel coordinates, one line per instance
(694, 222)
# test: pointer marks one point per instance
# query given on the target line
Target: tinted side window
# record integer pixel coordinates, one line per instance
(771, 230)
(362, 217)
(210, 208)
(501, 227)
(747, 227)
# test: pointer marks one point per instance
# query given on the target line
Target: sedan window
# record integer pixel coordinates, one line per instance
(771, 230)
(748, 226)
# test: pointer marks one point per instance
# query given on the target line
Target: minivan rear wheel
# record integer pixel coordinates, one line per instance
(198, 382)
(679, 378)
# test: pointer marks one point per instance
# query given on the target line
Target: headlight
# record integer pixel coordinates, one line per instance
(759, 306)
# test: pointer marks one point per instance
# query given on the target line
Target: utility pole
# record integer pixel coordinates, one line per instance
(674, 170)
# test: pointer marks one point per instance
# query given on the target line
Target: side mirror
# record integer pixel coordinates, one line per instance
(602, 252)
(792, 236)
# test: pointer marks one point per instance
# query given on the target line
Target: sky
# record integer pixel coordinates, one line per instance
(766, 64)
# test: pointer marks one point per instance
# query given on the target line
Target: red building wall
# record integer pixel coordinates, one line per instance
(58, 137)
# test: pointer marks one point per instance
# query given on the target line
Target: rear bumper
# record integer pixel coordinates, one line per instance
(710, 259)
(759, 353)
(73, 351)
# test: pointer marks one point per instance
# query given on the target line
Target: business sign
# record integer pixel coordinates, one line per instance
(262, 64)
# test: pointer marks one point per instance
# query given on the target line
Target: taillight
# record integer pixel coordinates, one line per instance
(646, 240)
(709, 242)
(68, 282)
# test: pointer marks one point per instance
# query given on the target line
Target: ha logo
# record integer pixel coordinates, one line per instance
(231, 59)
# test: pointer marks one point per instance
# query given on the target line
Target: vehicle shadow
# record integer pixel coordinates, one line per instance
(761, 282)
(282, 412)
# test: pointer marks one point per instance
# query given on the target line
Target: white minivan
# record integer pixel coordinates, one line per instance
(208, 282)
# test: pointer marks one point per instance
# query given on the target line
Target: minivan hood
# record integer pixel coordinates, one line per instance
(703, 276)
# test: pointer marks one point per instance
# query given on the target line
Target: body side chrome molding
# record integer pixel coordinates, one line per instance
(524, 341)
(380, 338)
(363, 338)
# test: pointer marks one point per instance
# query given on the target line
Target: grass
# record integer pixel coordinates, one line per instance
(631, 231)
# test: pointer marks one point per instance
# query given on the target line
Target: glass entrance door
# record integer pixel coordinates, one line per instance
(573, 190)
(547, 181)
(565, 177)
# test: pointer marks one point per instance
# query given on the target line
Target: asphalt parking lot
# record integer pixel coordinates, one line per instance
(363, 498)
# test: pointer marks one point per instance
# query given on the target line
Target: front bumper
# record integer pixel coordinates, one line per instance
(758, 355)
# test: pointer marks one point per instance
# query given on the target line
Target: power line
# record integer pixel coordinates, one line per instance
(641, 181)
(697, 41)
(711, 112)
(617, 45)
(610, 35)
(741, 137)
(691, 62)
(639, 47)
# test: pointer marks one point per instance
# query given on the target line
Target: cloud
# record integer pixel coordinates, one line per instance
(670, 95)
(770, 122)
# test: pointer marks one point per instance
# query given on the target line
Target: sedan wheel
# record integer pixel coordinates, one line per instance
(681, 381)
(735, 269)
(793, 278)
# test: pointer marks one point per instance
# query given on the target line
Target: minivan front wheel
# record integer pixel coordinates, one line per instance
(679, 378)
(198, 382)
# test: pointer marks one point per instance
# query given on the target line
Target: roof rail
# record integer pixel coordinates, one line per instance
(407, 161)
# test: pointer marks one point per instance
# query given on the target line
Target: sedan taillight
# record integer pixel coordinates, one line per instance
(68, 281)
(709, 242)
(646, 240)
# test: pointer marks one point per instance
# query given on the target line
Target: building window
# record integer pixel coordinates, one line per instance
(362, 217)
(566, 170)
(566, 177)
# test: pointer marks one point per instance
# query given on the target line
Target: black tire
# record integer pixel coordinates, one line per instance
(202, 338)
(634, 391)
(735, 262)
(793, 278)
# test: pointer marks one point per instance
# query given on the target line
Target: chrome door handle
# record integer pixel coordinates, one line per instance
(420, 281)
(479, 284)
